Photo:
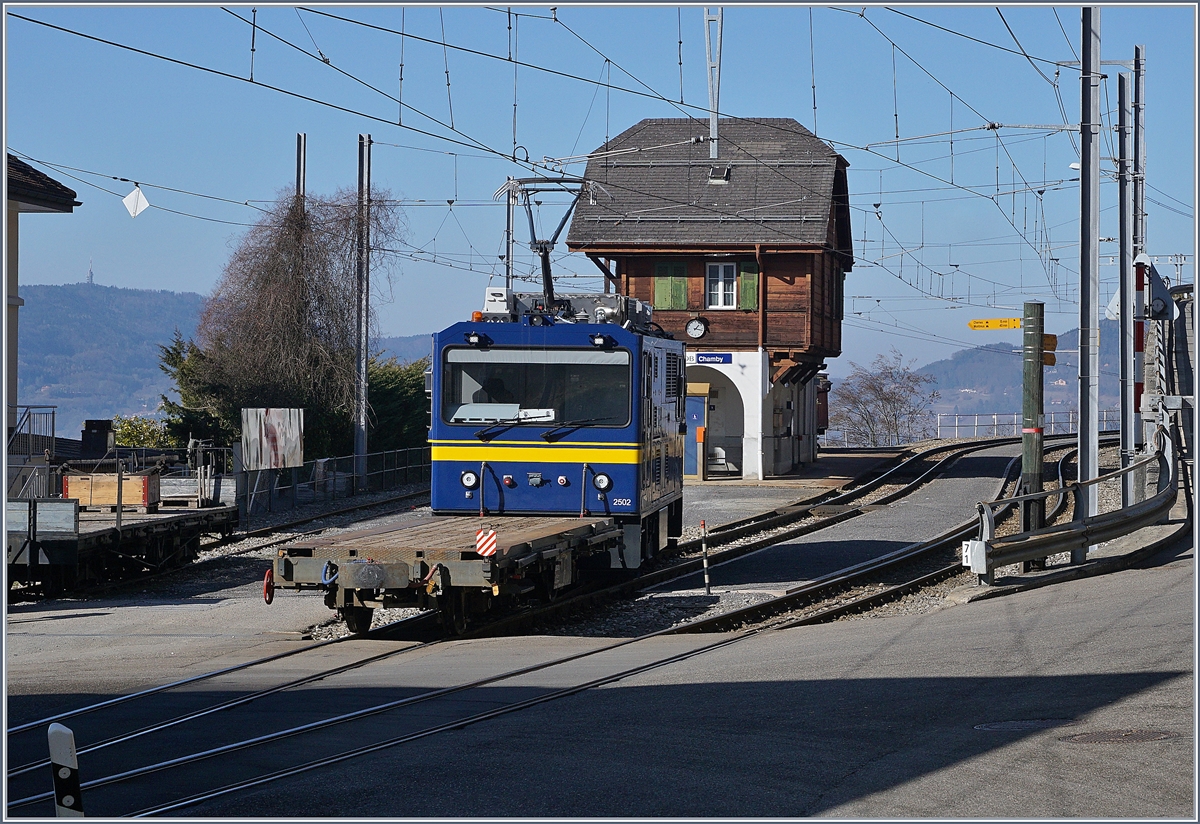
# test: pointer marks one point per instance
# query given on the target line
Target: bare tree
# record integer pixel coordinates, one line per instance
(280, 328)
(884, 406)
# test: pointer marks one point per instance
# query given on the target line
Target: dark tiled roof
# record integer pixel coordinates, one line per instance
(27, 185)
(779, 190)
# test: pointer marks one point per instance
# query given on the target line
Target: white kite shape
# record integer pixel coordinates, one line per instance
(135, 202)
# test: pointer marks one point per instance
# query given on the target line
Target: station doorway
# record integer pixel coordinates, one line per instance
(716, 425)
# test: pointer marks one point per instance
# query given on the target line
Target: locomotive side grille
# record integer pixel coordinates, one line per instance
(674, 372)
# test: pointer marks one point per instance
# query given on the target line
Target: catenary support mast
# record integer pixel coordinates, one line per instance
(364, 308)
(1128, 424)
(1089, 268)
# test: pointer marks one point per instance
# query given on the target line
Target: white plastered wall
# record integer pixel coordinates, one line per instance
(767, 448)
(748, 376)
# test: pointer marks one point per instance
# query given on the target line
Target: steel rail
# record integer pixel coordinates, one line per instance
(408, 701)
(786, 514)
(445, 727)
(605, 593)
(859, 489)
(811, 590)
(121, 699)
(519, 622)
(891, 559)
(240, 700)
(1081, 532)
(363, 713)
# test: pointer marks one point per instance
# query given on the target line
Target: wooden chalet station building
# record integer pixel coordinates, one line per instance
(743, 257)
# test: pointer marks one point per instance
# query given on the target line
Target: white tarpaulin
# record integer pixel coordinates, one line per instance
(272, 438)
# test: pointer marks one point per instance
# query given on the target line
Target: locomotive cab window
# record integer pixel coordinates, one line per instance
(538, 387)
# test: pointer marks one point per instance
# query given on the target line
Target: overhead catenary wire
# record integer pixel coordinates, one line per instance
(446, 58)
(966, 36)
(136, 182)
(475, 143)
(440, 137)
(400, 88)
(153, 206)
(679, 25)
(512, 56)
(609, 87)
(318, 48)
(1024, 53)
(267, 86)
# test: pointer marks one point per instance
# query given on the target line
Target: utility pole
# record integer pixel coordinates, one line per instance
(1125, 209)
(1139, 150)
(302, 232)
(301, 164)
(509, 240)
(1089, 267)
(1033, 513)
(714, 75)
(1139, 233)
(364, 309)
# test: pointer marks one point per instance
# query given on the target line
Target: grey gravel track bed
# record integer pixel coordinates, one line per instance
(934, 508)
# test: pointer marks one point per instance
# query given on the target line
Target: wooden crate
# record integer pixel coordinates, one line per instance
(99, 491)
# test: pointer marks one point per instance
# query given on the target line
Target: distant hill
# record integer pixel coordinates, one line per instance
(987, 378)
(92, 350)
(405, 349)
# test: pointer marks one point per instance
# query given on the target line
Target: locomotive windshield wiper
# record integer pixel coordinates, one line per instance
(487, 433)
(562, 429)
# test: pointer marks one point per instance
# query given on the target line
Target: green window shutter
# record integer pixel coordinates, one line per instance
(679, 286)
(748, 286)
(662, 286)
(670, 286)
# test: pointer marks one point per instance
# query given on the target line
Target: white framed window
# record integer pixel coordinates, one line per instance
(721, 285)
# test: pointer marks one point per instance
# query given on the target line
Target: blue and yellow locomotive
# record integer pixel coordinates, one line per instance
(578, 411)
(557, 442)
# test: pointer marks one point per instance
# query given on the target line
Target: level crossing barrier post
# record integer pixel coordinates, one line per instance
(65, 767)
(704, 548)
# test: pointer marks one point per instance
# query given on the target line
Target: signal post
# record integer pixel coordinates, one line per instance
(1037, 353)
(1034, 358)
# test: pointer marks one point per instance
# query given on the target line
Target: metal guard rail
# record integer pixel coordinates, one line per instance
(987, 553)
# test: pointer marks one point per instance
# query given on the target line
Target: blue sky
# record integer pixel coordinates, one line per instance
(961, 232)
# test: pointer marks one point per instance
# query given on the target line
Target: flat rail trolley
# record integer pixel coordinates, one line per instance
(557, 440)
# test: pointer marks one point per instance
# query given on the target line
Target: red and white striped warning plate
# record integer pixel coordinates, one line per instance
(485, 542)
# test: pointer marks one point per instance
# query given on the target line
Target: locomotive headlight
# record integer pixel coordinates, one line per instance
(602, 482)
(468, 480)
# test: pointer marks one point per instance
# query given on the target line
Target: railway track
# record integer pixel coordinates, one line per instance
(133, 756)
(741, 538)
(269, 532)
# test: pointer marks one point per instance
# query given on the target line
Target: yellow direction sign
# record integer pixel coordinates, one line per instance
(995, 323)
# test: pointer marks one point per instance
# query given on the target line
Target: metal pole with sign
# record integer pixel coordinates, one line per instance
(1033, 513)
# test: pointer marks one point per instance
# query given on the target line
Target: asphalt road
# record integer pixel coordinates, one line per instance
(868, 718)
